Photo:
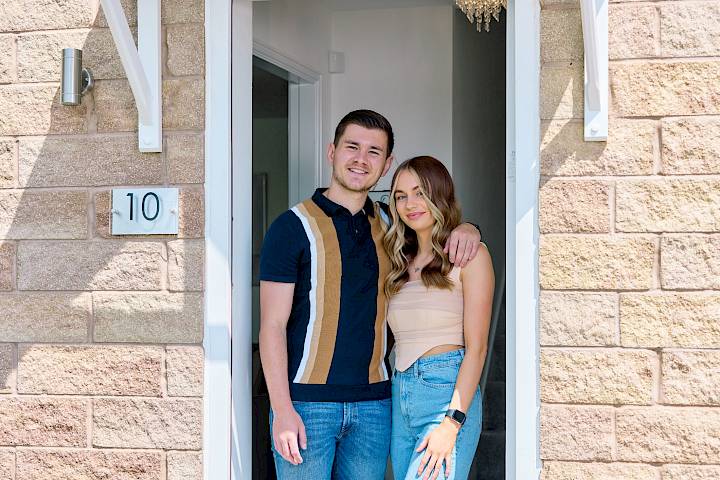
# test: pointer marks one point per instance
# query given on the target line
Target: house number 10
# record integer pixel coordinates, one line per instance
(144, 211)
(142, 208)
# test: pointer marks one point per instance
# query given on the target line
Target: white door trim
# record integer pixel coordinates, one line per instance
(217, 299)
(304, 137)
(522, 446)
(227, 453)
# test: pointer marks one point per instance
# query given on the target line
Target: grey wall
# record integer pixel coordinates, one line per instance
(478, 140)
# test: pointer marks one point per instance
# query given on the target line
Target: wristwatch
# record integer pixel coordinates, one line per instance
(456, 416)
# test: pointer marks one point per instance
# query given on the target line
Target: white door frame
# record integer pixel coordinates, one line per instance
(227, 435)
(305, 150)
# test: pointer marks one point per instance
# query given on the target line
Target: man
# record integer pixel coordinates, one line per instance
(322, 331)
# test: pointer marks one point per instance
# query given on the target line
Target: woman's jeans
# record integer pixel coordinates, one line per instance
(345, 441)
(420, 397)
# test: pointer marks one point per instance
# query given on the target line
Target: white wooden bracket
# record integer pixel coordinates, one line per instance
(142, 65)
(595, 37)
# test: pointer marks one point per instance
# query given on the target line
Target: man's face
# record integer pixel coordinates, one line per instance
(360, 158)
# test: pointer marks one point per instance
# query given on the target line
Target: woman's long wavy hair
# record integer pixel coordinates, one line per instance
(401, 242)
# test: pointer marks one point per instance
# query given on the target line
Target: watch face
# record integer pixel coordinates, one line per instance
(456, 415)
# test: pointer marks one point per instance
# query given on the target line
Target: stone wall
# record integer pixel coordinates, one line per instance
(100, 336)
(630, 248)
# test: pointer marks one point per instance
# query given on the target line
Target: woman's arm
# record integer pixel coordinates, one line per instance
(478, 281)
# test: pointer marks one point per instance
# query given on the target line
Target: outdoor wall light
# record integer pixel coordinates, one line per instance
(76, 81)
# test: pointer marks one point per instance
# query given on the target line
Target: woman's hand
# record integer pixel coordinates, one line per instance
(439, 443)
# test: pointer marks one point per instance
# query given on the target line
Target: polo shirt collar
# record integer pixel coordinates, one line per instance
(331, 208)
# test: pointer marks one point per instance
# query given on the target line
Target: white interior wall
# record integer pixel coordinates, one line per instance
(398, 62)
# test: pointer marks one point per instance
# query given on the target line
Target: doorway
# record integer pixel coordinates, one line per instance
(511, 175)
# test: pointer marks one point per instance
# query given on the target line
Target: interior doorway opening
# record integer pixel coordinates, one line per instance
(441, 84)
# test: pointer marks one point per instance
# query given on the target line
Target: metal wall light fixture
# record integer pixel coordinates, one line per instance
(76, 80)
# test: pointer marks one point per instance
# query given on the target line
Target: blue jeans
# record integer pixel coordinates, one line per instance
(420, 396)
(345, 440)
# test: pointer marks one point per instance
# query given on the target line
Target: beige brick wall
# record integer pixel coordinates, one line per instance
(630, 248)
(100, 336)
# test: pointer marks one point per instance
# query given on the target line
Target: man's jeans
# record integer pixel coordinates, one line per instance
(345, 441)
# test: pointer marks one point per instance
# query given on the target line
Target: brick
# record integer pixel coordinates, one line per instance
(597, 376)
(561, 35)
(191, 213)
(690, 30)
(668, 434)
(597, 471)
(147, 423)
(7, 368)
(148, 317)
(87, 161)
(690, 472)
(89, 370)
(39, 54)
(667, 205)
(43, 422)
(88, 465)
(7, 465)
(183, 11)
(26, 15)
(184, 466)
(608, 263)
(631, 31)
(576, 433)
(186, 49)
(628, 151)
(44, 214)
(36, 110)
(185, 265)
(115, 106)
(90, 265)
(8, 163)
(658, 320)
(44, 317)
(691, 377)
(184, 104)
(691, 145)
(578, 319)
(665, 88)
(100, 54)
(185, 371)
(575, 206)
(185, 158)
(8, 62)
(690, 262)
(561, 91)
(7, 266)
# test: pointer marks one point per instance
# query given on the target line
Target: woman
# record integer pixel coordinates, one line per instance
(440, 317)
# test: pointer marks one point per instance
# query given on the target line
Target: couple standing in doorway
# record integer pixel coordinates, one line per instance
(335, 271)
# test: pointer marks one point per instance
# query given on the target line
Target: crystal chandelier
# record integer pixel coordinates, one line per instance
(480, 11)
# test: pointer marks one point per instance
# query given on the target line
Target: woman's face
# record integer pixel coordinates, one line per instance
(410, 202)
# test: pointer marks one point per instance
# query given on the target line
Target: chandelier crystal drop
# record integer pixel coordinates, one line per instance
(481, 11)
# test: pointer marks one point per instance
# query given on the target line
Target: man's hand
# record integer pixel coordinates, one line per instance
(288, 432)
(463, 244)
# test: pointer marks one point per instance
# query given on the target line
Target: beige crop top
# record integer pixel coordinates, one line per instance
(422, 318)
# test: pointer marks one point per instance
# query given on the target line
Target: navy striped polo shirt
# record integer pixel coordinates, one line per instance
(336, 333)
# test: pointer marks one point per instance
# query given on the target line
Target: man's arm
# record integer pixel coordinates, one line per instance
(288, 428)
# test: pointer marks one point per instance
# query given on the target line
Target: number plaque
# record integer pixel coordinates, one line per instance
(144, 211)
